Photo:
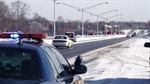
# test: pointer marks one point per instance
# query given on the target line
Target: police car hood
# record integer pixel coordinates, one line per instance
(14, 81)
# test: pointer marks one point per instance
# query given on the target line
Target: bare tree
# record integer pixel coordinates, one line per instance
(60, 19)
(20, 11)
(39, 24)
(60, 25)
(148, 25)
(4, 12)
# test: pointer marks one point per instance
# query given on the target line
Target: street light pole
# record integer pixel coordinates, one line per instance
(94, 15)
(83, 10)
(118, 27)
(82, 24)
(54, 18)
(103, 14)
(99, 15)
(97, 24)
(115, 19)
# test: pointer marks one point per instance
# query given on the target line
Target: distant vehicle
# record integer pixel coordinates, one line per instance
(129, 35)
(36, 62)
(91, 34)
(147, 44)
(62, 41)
(71, 35)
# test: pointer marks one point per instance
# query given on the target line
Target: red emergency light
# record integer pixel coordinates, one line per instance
(16, 35)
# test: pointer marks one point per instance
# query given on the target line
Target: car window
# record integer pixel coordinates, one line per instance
(57, 68)
(62, 60)
(69, 34)
(60, 37)
(60, 56)
(16, 63)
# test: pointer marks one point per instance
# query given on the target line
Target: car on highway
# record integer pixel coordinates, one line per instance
(32, 61)
(71, 36)
(129, 35)
(62, 41)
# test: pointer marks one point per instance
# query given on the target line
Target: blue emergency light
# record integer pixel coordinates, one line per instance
(17, 36)
(14, 35)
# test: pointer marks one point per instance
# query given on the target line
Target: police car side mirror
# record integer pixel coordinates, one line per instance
(147, 44)
(78, 68)
(78, 60)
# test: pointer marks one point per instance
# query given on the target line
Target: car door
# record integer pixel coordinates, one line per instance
(61, 67)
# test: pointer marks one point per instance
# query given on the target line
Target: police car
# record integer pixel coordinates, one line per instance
(31, 61)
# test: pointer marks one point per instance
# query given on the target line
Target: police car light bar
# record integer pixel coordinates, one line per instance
(16, 35)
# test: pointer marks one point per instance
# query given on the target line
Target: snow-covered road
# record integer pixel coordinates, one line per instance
(124, 63)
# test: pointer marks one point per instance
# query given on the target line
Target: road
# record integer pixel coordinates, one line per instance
(88, 46)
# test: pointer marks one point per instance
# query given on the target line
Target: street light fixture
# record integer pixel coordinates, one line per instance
(83, 10)
(106, 12)
(114, 16)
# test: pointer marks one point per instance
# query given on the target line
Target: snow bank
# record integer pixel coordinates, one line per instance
(120, 64)
(90, 38)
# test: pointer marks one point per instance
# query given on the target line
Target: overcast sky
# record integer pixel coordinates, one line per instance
(132, 10)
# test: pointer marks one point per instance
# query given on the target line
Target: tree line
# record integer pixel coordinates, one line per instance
(15, 17)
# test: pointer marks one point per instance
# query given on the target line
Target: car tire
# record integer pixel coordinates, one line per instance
(68, 47)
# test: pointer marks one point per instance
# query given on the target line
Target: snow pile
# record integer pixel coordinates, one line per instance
(89, 38)
(124, 63)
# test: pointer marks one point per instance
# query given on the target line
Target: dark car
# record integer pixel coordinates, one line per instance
(71, 35)
(35, 62)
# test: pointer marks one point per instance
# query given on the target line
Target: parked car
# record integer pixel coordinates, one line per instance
(62, 41)
(35, 62)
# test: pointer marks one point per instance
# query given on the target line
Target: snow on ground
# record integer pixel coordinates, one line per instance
(124, 63)
(90, 38)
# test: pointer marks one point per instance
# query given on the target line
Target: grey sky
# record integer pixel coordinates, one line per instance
(132, 10)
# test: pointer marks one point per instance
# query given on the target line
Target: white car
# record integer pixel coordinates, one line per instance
(62, 41)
